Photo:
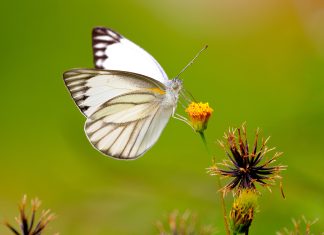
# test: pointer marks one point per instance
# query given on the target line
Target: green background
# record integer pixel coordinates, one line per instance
(264, 65)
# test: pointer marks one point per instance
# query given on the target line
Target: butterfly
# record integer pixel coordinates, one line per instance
(127, 99)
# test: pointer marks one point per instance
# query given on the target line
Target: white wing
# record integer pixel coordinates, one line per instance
(114, 52)
(124, 111)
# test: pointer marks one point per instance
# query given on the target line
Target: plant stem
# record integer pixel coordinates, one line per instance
(221, 198)
(203, 138)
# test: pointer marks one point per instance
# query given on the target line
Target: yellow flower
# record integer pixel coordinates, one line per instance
(199, 113)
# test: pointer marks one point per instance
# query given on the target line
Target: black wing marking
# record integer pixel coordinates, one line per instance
(101, 38)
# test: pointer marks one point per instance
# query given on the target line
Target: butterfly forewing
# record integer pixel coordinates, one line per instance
(90, 88)
(124, 111)
(114, 52)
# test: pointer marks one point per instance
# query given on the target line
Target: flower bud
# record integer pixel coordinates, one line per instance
(242, 212)
(199, 113)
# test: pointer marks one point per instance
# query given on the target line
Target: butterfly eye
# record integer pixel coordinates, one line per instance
(175, 86)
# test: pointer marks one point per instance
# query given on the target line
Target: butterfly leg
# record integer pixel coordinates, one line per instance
(181, 118)
(184, 93)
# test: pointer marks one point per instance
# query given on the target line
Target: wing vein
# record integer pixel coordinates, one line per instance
(121, 132)
(150, 122)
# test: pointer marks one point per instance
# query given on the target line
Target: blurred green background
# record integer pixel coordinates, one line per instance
(264, 65)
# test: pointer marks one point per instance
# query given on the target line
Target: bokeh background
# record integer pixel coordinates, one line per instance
(264, 65)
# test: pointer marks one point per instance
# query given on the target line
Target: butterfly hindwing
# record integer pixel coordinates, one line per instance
(128, 138)
(112, 51)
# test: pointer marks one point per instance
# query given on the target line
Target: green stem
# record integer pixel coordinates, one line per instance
(203, 138)
(221, 198)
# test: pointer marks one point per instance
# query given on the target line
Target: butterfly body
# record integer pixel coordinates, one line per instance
(127, 99)
(173, 87)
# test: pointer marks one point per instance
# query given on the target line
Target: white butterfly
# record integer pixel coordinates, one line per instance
(128, 99)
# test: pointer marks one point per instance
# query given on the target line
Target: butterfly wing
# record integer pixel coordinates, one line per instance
(125, 114)
(114, 52)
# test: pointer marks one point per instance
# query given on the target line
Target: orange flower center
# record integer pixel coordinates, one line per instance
(199, 114)
(199, 111)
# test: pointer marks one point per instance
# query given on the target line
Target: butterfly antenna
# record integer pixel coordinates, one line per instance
(191, 62)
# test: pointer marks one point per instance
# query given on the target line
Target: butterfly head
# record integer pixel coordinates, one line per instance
(175, 85)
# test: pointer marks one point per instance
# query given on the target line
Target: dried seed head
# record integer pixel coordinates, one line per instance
(30, 226)
(246, 166)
